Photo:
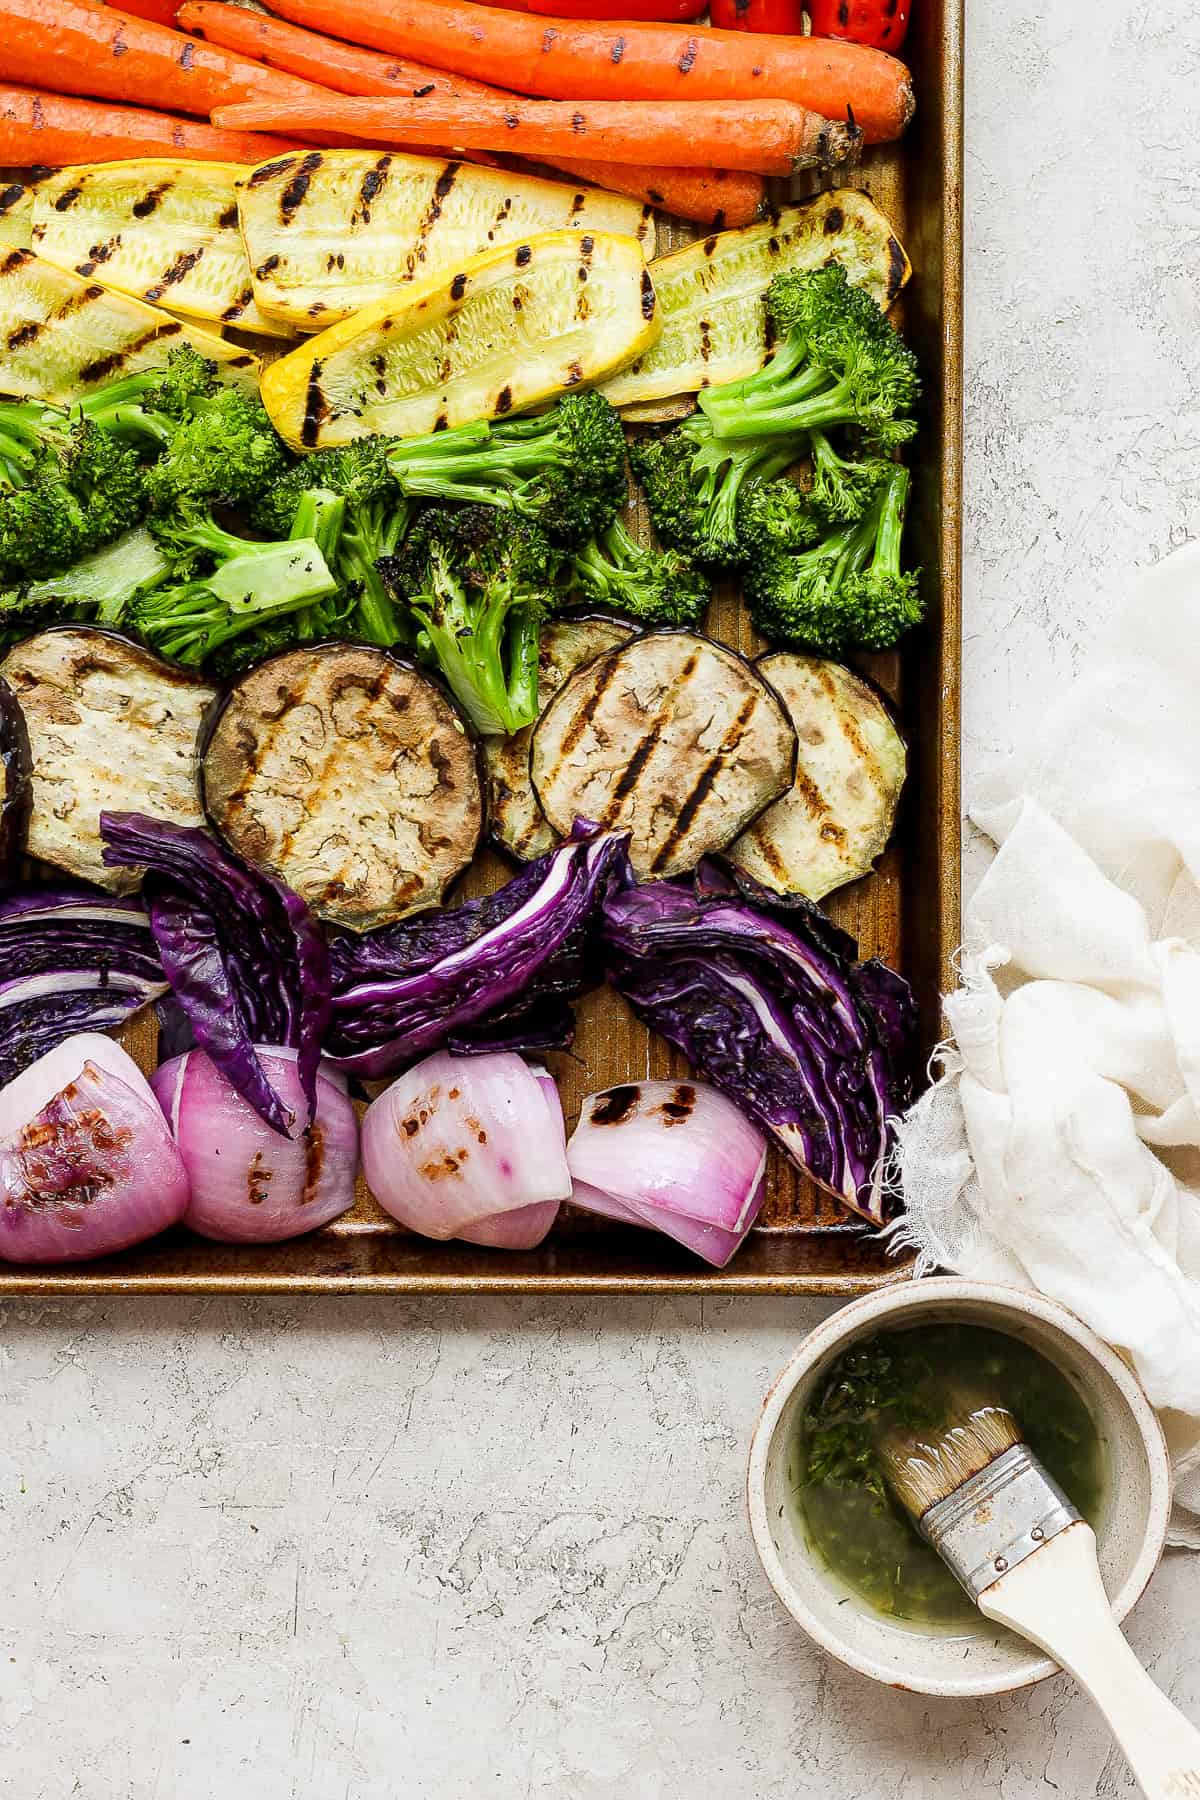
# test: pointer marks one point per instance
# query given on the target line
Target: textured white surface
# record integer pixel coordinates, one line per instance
(434, 1551)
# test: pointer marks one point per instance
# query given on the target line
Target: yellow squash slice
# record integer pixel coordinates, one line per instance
(712, 293)
(61, 334)
(16, 213)
(165, 232)
(503, 332)
(328, 232)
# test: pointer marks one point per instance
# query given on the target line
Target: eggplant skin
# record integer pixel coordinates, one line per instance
(672, 737)
(518, 823)
(16, 768)
(350, 775)
(111, 728)
(838, 816)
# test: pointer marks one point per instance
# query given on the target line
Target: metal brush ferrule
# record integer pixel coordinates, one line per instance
(997, 1518)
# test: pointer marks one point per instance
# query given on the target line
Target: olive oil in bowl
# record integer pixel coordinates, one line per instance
(907, 1379)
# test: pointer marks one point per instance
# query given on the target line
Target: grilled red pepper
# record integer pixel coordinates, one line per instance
(880, 23)
(759, 15)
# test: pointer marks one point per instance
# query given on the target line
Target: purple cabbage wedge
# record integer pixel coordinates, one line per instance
(768, 1001)
(494, 973)
(243, 954)
(71, 960)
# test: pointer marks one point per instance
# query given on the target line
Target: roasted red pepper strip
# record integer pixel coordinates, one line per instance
(879, 23)
(758, 15)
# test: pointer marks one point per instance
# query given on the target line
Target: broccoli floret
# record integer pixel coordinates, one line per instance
(98, 587)
(692, 481)
(837, 362)
(66, 488)
(376, 519)
(247, 585)
(842, 489)
(565, 468)
(660, 587)
(846, 592)
(479, 582)
(772, 516)
(226, 450)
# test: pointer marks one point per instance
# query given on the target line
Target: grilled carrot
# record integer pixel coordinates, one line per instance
(74, 48)
(570, 59)
(712, 197)
(59, 129)
(768, 137)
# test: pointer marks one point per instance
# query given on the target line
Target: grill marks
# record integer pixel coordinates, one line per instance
(316, 408)
(292, 197)
(183, 265)
(673, 737)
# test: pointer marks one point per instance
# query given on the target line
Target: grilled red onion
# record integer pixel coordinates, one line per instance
(469, 1147)
(677, 1157)
(87, 1165)
(249, 1184)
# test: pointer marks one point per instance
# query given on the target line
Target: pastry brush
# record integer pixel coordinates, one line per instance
(1014, 1541)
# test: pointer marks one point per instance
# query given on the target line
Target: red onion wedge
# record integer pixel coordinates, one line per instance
(249, 1184)
(677, 1157)
(469, 1147)
(87, 1165)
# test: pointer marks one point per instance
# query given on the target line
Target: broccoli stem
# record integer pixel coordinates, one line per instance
(890, 526)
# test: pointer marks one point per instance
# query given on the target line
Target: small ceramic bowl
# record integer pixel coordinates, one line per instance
(1130, 1531)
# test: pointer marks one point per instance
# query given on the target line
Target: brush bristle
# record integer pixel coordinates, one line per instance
(923, 1467)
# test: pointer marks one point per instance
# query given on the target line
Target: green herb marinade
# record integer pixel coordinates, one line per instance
(901, 1379)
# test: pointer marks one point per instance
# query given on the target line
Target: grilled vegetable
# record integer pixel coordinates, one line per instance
(517, 821)
(160, 230)
(62, 334)
(110, 726)
(881, 24)
(627, 61)
(712, 295)
(38, 127)
(507, 330)
(838, 816)
(16, 213)
(15, 791)
(329, 232)
(766, 137)
(349, 775)
(758, 15)
(673, 737)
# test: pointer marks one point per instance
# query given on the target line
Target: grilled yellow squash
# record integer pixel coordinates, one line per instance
(505, 331)
(331, 231)
(16, 213)
(165, 232)
(712, 293)
(61, 334)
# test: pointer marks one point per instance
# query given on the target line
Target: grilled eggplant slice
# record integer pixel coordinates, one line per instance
(15, 785)
(511, 328)
(165, 232)
(111, 728)
(350, 775)
(517, 821)
(838, 817)
(713, 293)
(62, 334)
(672, 737)
(329, 232)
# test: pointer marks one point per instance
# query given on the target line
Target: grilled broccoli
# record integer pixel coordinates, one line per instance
(692, 480)
(773, 516)
(99, 587)
(658, 587)
(845, 593)
(375, 521)
(837, 362)
(225, 586)
(66, 488)
(479, 582)
(842, 488)
(565, 468)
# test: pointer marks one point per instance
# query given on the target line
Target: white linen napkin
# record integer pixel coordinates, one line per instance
(1060, 1148)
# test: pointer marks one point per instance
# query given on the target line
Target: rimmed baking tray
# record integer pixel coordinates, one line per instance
(907, 912)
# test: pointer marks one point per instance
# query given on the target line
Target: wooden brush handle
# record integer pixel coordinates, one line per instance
(1056, 1599)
